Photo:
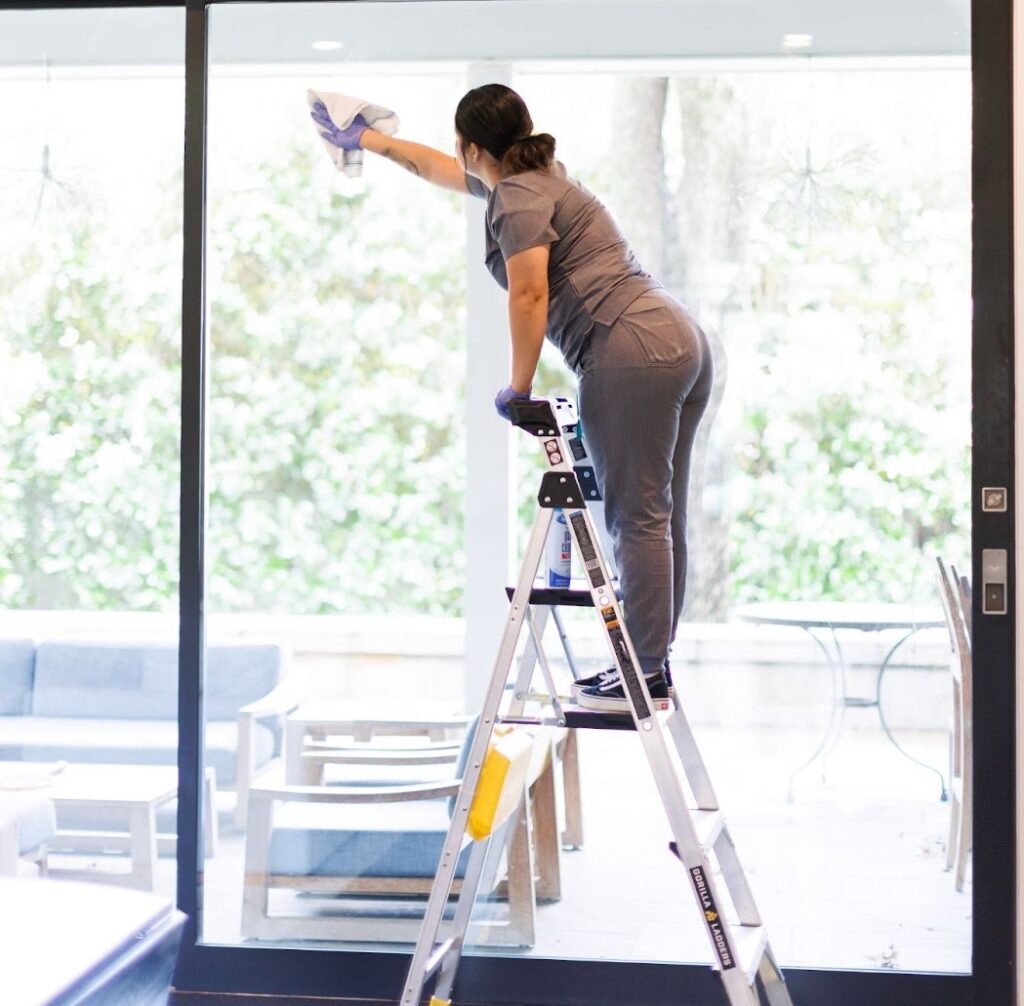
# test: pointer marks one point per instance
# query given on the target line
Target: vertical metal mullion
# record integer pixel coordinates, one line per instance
(992, 399)
(191, 629)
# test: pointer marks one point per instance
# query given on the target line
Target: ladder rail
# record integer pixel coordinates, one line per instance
(636, 690)
(690, 850)
(689, 754)
(449, 960)
(721, 937)
(527, 663)
(441, 887)
(567, 649)
(545, 667)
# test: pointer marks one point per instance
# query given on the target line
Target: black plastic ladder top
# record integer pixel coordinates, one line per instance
(536, 417)
(579, 719)
(553, 597)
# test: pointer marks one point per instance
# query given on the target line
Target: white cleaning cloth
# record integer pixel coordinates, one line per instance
(343, 109)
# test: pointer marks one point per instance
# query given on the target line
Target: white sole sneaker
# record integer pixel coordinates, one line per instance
(611, 697)
(594, 679)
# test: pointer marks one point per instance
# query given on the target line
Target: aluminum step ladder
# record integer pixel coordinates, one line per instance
(700, 836)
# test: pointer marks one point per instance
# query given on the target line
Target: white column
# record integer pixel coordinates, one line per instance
(490, 490)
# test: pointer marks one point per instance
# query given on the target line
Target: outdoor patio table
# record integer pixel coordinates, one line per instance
(136, 790)
(822, 621)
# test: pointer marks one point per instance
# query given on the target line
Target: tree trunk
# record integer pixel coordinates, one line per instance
(690, 240)
(707, 246)
(639, 191)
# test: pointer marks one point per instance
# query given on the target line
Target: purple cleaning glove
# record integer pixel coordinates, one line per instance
(347, 138)
(508, 394)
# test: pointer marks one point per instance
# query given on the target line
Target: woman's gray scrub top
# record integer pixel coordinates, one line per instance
(593, 275)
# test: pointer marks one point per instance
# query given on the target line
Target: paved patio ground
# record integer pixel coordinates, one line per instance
(850, 874)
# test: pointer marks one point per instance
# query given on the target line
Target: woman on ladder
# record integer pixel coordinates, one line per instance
(643, 364)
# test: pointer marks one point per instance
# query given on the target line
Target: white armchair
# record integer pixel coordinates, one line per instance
(277, 703)
(367, 854)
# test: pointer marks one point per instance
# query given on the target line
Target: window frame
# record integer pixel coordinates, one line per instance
(483, 978)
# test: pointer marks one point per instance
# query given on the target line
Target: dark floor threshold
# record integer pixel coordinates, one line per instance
(242, 999)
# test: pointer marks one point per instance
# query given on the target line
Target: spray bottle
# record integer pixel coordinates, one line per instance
(559, 551)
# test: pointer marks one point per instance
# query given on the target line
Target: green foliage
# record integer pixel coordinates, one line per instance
(336, 455)
(336, 451)
(852, 457)
(335, 465)
(88, 420)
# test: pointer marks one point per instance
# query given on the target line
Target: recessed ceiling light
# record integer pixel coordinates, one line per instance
(796, 41)
(327, 45)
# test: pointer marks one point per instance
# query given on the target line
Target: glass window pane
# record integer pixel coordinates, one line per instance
(91, 118)
(807, 195)
(337, 436)
(816, 218)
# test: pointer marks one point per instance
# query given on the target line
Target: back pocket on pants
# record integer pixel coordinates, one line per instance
(662, 331)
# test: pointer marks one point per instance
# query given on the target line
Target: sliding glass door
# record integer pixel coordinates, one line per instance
(805, 185)
(91, 117)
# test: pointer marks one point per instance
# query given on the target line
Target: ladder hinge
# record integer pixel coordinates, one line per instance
(560, 489)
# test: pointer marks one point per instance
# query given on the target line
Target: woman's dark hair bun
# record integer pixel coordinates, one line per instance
(496, 118)
(529, 154)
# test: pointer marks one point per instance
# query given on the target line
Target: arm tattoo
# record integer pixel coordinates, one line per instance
(393, 155)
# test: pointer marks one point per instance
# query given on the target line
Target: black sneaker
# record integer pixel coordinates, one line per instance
(609, 695)
(608, 674)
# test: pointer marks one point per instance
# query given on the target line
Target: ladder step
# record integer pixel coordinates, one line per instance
(750, 943)
(436, 959)
(595, 719)
(554, 597)
(578, 719)
(708, 824)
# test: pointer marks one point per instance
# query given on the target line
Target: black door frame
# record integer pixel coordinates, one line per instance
(993, 457)
(483, 979)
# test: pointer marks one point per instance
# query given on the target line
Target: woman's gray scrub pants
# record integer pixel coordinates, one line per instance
(644, 384)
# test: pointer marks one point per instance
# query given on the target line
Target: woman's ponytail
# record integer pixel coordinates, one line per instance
(528, 154)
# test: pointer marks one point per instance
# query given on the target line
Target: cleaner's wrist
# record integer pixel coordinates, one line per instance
(368, 140)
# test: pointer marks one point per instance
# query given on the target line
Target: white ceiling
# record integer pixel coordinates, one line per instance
(479, 30)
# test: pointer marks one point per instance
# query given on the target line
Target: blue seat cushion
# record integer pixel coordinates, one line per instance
(122, 742)
(37, 820)
(360, 840)
(17, 663)
(140, 680)
(96, 818)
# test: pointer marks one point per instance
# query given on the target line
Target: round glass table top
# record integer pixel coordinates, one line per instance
(868, 616)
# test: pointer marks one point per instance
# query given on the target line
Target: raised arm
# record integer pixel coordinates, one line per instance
(425, 162)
